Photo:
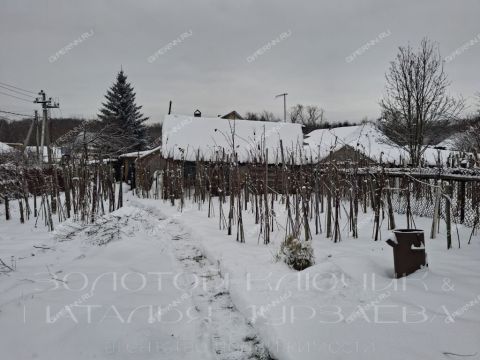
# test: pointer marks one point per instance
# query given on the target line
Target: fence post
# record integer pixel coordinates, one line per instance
(448, 209)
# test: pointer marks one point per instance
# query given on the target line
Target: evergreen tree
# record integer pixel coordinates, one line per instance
(122, 114)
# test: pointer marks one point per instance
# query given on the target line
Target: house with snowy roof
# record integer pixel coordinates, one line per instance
(232, 115)
(367, 145)
(191, 138)
(188, 139)
(362, 144)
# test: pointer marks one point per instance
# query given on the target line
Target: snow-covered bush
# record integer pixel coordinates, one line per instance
(296, 254)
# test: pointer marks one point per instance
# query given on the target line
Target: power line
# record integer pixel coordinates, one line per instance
(16, 97)
(18, 88)
(13, 113)
(15, 91)
(59, 110)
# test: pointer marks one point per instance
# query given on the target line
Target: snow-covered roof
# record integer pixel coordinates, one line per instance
(5, 148)
(133, 154)
(139, 154)
(148, 152)
(367, 139)
(449, 143)
(371, 142)
(185, 137)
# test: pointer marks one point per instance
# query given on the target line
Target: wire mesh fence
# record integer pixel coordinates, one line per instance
(463, 196)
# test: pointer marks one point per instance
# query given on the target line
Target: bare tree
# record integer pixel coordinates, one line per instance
(297, 115)
(311, 117)
(93, 138)
(250, 115)
(268, 116)
(416, 98)
(469, 139)
(262, 116)
(314, 116)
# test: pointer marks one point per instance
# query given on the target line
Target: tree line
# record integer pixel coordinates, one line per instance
(14, 131)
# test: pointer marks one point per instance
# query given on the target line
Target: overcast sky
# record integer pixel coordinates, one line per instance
(211, 68)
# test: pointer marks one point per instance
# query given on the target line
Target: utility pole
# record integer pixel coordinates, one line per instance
(29, 133)
(37, 135)
(46, 104)
(284, 105)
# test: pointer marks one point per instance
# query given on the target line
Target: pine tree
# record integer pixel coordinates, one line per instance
(121, 112)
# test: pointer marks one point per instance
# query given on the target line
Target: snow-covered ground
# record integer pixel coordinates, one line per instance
(5, 148)
(148, 282)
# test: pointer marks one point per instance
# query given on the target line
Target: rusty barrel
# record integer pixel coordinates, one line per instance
(408, 251)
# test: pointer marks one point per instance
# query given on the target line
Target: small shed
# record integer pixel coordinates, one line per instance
(127, 162)
(147, 164)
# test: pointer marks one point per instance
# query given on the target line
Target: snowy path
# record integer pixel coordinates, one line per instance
(225, 330)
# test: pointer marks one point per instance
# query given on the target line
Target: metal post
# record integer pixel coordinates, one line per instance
(284, 105)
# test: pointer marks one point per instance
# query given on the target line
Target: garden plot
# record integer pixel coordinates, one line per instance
(147, 282)
(347, 306)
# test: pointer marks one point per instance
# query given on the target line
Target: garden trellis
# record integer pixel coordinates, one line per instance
(81, 191)
(314, 198)
(328, 195)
